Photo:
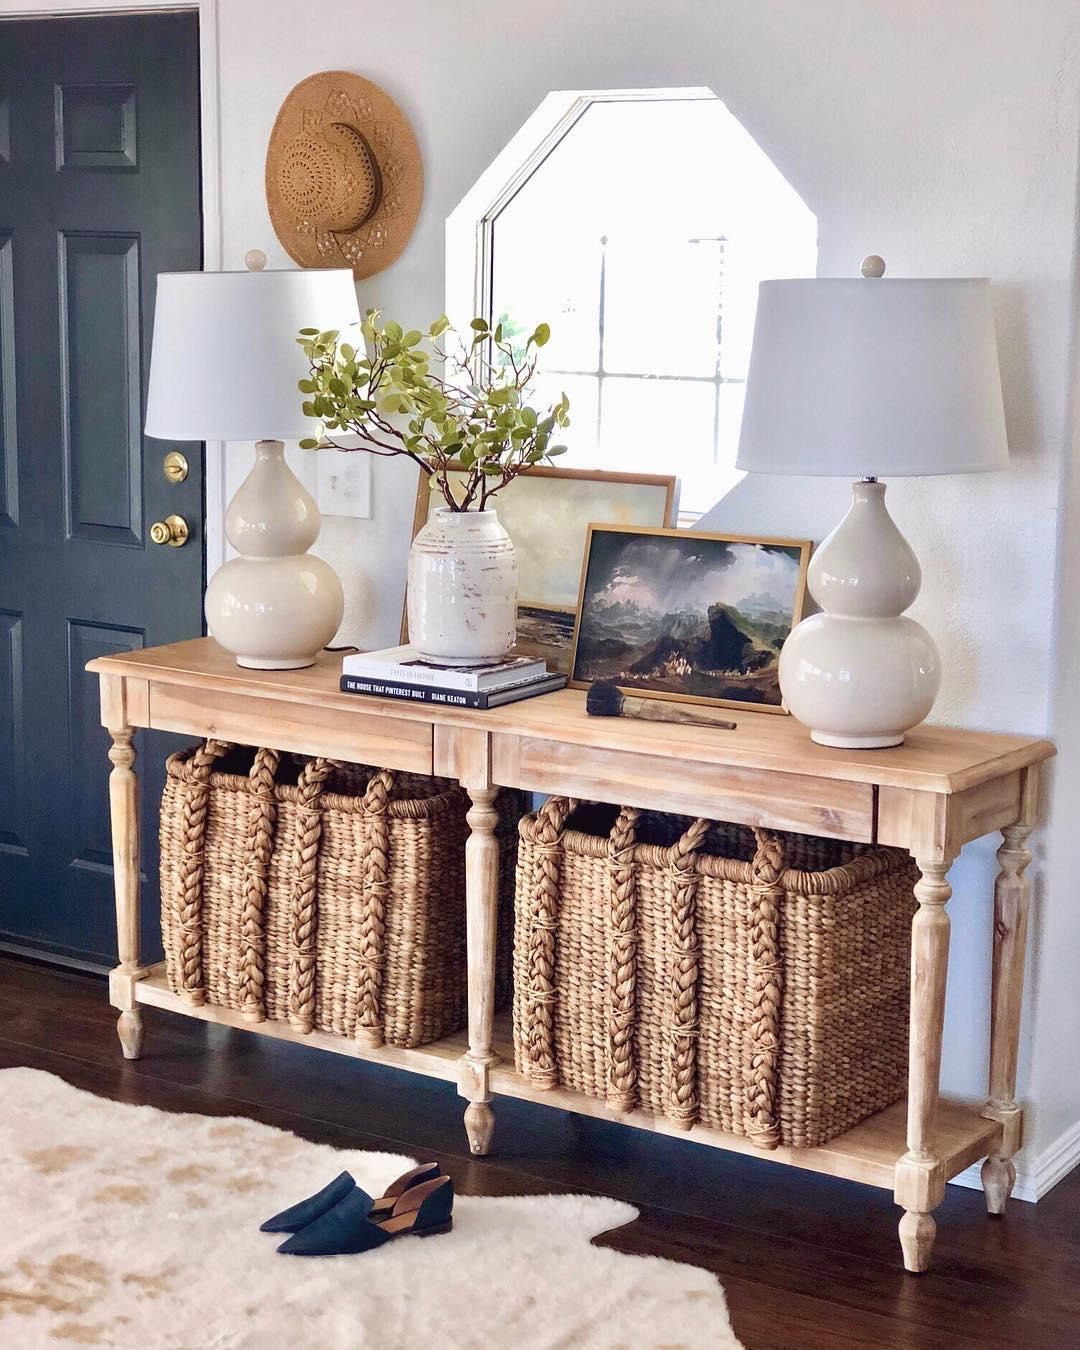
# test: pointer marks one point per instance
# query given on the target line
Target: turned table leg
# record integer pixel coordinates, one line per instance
(1012, 900)
(920, 1173)
(482, 903)
(124, 814)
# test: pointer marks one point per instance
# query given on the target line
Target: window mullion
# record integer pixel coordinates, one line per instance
(600, 318)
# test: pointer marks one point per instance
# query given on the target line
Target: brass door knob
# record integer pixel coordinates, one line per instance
(173, 530)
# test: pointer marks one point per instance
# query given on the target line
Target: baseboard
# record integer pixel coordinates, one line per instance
(53, 956)
(1025, 1188)
(1040, 1175)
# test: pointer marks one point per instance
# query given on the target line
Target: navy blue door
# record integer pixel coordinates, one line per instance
(99, 191)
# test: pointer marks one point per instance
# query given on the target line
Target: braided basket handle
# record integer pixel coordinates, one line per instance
(552, 817)
(689, 843)
(304, 907)
(766, 989)
(371, 945)
(541, 1066)
(258, 846)
(263, 766)
(196, 765)
(685, 974)
(188, 895)
(768, 860)
(378, 792)
(622, 970)
(206, 756)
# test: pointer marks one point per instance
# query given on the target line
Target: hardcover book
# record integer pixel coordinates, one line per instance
(451, 698)
(402, 665)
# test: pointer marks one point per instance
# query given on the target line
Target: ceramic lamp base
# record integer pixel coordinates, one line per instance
(274, 613)
(861, 673)
(276, 606)
(856, 742)
(264, 663)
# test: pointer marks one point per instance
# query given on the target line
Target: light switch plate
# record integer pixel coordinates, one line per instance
(343, 483)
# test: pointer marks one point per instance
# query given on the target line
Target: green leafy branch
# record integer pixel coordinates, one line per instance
(472, 412)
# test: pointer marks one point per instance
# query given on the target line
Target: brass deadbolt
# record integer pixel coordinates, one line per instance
(173, 530)
(175, 466)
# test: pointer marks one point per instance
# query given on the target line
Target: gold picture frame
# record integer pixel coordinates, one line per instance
(566, 502)
(637, 585)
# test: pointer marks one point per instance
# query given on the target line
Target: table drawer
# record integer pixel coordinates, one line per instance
(363, 737)
(778, 801)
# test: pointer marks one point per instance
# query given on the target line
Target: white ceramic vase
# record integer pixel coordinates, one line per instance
(276, 606)
(861, 673)
(462, 598)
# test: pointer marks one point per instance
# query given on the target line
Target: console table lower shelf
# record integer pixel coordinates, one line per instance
(867, 1153)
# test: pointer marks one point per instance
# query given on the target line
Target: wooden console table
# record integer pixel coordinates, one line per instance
(930, 796)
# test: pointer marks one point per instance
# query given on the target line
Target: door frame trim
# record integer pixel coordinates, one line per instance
(213, 528)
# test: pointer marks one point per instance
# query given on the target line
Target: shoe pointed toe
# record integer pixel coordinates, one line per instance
(343, 1230)
(298, 1216)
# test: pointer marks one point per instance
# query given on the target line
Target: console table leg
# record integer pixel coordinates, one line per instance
(124, 814)
(920, 1173)
(482, 904)
(129, 1027)
(480, 1127)
(1012, 901)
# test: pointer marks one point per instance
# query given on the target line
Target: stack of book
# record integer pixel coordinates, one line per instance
(397, 672)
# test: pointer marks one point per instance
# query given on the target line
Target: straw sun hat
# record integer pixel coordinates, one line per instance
(343, 174)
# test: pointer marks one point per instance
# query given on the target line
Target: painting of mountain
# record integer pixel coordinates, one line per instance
(547, 632)
(682, 614)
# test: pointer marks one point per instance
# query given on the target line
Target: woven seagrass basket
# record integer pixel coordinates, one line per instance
(752, 981)
(328, 895)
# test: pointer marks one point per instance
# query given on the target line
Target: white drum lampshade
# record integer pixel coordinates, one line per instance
(225, 366)
(866, 378)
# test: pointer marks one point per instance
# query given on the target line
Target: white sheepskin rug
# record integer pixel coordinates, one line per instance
(128, 1226)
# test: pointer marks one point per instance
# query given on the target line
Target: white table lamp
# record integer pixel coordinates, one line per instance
(861, 378)
(225, 367)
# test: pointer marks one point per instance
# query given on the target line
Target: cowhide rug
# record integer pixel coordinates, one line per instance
(127, 1226)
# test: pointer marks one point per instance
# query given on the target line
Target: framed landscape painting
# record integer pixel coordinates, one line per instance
(679, 614)
(547, 512)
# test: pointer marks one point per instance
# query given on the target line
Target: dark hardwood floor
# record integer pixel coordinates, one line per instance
(807, 1262)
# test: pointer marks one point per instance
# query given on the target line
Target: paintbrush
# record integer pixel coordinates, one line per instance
(606, 699)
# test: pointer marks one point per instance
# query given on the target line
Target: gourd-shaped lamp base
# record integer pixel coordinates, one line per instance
(276, 606)
(860, 674)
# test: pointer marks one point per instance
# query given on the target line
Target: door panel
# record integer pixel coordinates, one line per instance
(99, 191)
(9, 435)
(100, 396)
(12, 740)
(96, 127)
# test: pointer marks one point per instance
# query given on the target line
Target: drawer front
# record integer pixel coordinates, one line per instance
(336, 733)
(778, 801)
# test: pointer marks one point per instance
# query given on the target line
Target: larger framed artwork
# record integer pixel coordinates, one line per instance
(548, 512)
(679, 614)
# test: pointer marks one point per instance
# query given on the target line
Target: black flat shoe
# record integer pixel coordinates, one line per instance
(382, 1207)
(298, 1216)
(422, 1211)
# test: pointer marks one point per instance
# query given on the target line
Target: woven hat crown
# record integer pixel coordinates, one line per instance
(329, 176)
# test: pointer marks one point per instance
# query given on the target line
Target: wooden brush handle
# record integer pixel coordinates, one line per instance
(650, 710)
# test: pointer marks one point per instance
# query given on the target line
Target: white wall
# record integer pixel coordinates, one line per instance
(943, 137)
